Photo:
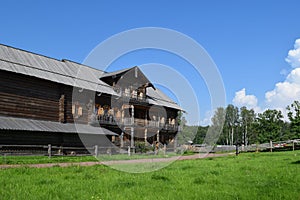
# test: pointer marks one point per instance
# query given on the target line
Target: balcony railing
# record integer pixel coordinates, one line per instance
(132, 95)
(127, 121)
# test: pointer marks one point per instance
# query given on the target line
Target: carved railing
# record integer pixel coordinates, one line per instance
(132, 96)
(110, 120)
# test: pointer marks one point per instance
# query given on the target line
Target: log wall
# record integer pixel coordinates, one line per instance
(28, 97)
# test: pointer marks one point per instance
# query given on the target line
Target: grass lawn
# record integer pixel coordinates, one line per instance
(248, 176)
(11, 160)
(60, 159)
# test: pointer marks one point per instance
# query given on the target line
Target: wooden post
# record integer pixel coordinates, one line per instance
(132, 114)
(165, 149)
(293, 145)
(128, 151)
(132, 127)
(146, 119)
(175, 143)
(49, 150)
(96, 150)
(132, 137)
(146, 136)
(122, 139)
(271, 146)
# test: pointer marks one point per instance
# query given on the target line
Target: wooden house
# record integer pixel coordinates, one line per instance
(63, 103)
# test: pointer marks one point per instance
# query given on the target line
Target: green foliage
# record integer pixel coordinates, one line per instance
(247, 125)
(232, 117)
(201, 134)
(216, 128)
(140, 147)
(269, 125)
(244, 126)
(294, 117)
(180, 119)
(187, 134)
(248, 176)
(188, 152)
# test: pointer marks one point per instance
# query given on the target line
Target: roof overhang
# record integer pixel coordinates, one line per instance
(22, 124)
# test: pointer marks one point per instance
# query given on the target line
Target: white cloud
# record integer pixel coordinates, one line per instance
(293, 57)
(294, 76)
(242, 99)
(207, 118)
(285, 92)
(284, 72)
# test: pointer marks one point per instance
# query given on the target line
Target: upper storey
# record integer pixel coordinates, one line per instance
(128, 82)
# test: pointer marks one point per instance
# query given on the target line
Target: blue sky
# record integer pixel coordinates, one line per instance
(248, 40)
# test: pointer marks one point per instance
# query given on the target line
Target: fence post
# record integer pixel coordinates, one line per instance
(129, 151)
(175, 144)
(96, 150)
(49, 150)
(165, 149)
(122, 139)
(293, 145)
(271, 146)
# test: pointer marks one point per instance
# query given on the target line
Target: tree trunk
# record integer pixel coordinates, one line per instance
(245, 136)
(232, 135)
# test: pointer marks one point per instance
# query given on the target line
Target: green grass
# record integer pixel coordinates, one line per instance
(134, 156)
(61, 159)
(248, 176)
(43, 159)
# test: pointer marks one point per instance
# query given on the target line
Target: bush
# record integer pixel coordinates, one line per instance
(140, 147)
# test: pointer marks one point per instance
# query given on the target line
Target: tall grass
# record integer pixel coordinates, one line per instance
(248, 176)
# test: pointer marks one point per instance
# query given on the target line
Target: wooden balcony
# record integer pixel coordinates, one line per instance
(132, 96)
(129, 122)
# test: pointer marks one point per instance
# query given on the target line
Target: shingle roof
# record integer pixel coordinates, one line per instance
(65, 72)
(13, 123)
(68, 73)
(157, 97)
(107, 74)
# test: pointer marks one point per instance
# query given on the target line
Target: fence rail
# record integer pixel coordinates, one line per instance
(54, 150)
(271, 146)
(49, 150)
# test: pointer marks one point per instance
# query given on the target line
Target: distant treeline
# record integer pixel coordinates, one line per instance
(242, 126)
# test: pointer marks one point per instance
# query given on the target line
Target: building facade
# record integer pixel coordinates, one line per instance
(63, 103)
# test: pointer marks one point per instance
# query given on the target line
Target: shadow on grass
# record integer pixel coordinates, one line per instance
(296, 162)
(159, 177)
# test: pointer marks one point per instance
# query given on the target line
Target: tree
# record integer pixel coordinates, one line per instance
(181, 119)
(201, 134)
(231, 117)
(247, 120)
(294, 117)
(269, 125)
(216, 127)
(187, 134)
